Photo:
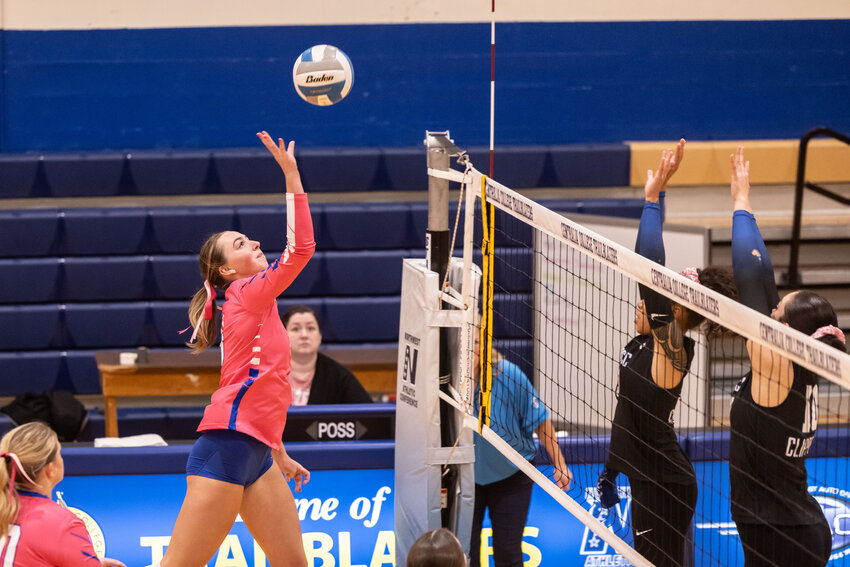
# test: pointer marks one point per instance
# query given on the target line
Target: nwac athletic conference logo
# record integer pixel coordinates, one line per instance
(835, 504)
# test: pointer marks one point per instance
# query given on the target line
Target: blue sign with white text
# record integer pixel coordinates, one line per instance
(347, 519)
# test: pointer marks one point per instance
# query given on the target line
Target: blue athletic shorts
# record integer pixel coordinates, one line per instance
(229, 456)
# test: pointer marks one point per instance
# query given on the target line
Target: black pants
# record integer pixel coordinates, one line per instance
(508, 501)
(661, 516)
(776, 546)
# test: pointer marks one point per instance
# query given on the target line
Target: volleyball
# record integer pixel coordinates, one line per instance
(323, 75)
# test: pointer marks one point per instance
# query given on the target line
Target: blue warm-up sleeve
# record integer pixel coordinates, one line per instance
(650, 244)
(751, 264)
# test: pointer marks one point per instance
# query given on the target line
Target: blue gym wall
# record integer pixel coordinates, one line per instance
(557, 83)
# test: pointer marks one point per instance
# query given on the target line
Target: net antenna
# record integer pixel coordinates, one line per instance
(598, 293)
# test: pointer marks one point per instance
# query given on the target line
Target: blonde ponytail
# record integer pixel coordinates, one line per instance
(206, 329)
(9, 501)
(31, 446)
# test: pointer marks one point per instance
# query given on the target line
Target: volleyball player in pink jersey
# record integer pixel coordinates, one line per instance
(37, 531)
(235, 467)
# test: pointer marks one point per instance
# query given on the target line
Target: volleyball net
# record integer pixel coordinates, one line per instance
(557, 305)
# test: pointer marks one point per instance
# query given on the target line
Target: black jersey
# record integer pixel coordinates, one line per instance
(767, 454)
(643, 442)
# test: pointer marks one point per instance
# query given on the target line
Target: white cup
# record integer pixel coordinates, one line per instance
(127, 358)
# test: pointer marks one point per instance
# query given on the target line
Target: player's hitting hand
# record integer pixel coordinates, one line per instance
(107, 562)
(283, 154)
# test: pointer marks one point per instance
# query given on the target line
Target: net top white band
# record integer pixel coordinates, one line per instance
(818, 357)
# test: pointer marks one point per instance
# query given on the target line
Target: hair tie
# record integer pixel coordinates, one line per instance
(16, 464)
(830, 330)
(208, 306)
(207, 313)
(691, 274)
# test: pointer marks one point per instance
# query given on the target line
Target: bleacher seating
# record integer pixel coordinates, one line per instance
(249, 170)
(86, 279)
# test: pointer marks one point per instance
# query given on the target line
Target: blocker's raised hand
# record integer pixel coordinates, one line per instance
(740, 184)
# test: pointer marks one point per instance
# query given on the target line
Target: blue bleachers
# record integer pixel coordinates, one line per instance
(30, 327)
(116, 278)
(105, 325)
(90, 175)
(361, 319)
(168, 172)
(24, 372)
(82, 373)
(174, 276)
(106, 278)
(186, 228)
(17, 175)
(377, 226)
(252, 170)
(247, 170)
(353, 169)
(31, 280)
(28, 233)
(177, 276)
(106, 231)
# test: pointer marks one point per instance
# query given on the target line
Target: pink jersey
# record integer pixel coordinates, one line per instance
(46, 534)
(254, 392)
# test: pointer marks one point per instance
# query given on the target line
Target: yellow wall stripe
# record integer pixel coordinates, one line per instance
(772, 161)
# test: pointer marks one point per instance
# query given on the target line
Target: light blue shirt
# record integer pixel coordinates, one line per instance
(515, 412)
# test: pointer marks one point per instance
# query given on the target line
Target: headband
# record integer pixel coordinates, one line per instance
(691, 274)
(830, 330)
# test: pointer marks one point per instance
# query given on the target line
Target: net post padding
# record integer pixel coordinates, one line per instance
(418, 467)
(810, 353)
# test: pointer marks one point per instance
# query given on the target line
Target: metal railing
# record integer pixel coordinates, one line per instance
(793, 264)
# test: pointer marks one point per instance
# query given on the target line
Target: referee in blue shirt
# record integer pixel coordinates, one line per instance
(516, 413)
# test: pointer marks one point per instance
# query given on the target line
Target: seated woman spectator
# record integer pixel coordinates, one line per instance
(316, 378)
(436, 548)
(35, 530)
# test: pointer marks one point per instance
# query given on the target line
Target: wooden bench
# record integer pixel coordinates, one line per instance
(181, 373)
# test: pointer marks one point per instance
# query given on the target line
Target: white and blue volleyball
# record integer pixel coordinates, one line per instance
(323, 75)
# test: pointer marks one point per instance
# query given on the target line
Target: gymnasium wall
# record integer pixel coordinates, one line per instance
(96, 74)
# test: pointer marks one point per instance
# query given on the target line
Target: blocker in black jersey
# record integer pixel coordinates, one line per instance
(767, 454)
(653, 367)
(643, 442)
(779, 522)
(767, 472)
(645, 448)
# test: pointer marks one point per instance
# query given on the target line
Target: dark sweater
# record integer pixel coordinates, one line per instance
(333, 383)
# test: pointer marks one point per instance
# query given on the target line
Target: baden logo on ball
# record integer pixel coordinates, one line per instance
(323, 75)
